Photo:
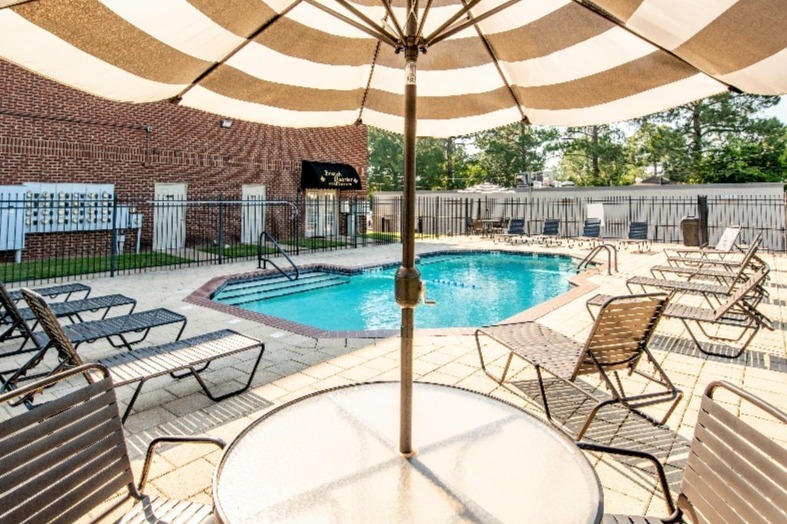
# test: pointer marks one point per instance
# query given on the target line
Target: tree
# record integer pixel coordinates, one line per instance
(720, 133)
(385, 161)
(595, 156)
(660, 148)
(511, 149)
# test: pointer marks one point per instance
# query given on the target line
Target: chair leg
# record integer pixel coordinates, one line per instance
(234, 392)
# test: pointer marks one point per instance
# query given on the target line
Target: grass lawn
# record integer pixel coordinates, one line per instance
(53, 268)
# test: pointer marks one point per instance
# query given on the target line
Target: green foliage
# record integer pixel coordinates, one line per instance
(714, 140)
(511, 149)
(595, 156)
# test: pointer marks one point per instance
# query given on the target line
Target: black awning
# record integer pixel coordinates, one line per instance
(324, 175)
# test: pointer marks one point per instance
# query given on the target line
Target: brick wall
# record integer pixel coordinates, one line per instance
(50, 133)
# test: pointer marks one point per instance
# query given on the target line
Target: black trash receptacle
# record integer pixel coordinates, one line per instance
(690, 229)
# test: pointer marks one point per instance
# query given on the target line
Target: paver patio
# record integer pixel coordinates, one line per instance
(295, 365)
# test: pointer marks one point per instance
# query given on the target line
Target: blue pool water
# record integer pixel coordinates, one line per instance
(471, 289)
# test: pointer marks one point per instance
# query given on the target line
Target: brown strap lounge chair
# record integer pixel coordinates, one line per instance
(617, 342)
(711, 267)
(68, 458)
(736, 314)
(734, 473)
(191, 355)
(727, 243)
(714, 292)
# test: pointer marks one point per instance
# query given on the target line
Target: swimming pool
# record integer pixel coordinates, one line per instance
(471, 289)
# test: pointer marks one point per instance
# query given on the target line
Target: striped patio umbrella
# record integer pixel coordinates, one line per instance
(481, 64)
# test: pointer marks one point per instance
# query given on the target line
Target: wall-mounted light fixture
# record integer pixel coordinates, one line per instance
(226, 123)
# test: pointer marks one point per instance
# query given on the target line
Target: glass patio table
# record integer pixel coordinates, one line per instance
(333, 457)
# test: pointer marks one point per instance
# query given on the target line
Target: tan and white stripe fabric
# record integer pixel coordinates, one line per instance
(291, 63)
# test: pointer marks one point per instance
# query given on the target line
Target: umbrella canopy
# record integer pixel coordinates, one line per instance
(481, 64)
(312, 63)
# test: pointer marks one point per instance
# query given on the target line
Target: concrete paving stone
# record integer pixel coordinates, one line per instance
(295, 381)
(295, 365)
(186, 481)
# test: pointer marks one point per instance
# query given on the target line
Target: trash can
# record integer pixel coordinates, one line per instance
(690, 229)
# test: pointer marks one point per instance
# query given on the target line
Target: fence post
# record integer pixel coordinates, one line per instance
(702, 215)
(113, 237)
(221, 229)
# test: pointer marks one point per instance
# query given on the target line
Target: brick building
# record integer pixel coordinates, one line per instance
(53, 134)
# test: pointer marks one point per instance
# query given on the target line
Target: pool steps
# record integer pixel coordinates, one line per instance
(244, 292)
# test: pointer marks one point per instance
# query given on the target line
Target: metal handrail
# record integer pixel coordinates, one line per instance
(612, 258)
(263, 261)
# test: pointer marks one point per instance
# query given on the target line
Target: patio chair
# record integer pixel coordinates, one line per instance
(115, 330)
(191, 355)
(638, 236)
(15, 320)
(474, 226)
(734, 472)
(69, 457)
(549, 233)
(516, 230)
(591, 232)
(617, 342)
(727, 243)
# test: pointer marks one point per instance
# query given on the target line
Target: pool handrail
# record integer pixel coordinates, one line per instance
(263, 261)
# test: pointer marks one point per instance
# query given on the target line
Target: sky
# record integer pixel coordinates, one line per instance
(779, 111)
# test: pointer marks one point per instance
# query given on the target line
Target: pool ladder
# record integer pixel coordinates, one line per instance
(612, 258)
(262, 261)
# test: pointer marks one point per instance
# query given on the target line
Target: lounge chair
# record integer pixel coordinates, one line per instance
(69, 457)
(714, 293)
(734, 472)
(723, 271)
(617, 342)
(54, 291)
(549, 233)
(737, 313)
(474, 226)
(15, 328)
(516, 230)
(591, 232)
(115, 330)
(726, 244)
(638, 236)
(727, 262)
(143, 364)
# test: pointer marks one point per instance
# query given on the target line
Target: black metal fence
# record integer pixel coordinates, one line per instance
(445, 216)
(56, 239)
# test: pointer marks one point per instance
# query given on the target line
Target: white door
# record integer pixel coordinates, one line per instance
(320, 213)
(169, 217)
(253, 215)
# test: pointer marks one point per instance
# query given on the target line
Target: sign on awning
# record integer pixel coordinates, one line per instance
(324, 175)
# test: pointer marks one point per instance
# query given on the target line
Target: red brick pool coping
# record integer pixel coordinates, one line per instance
(581, 285)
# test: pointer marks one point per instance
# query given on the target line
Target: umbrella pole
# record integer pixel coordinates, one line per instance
(408, 278)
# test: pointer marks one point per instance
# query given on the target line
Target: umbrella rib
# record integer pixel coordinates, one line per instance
(235, 51)
(492, 56)
(435, 37)
(453, 18)
(390, 14)
(420, 30)
(372, 29)
(594, 8)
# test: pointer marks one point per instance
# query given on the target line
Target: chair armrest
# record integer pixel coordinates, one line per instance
(663, 484)
(167, 439)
